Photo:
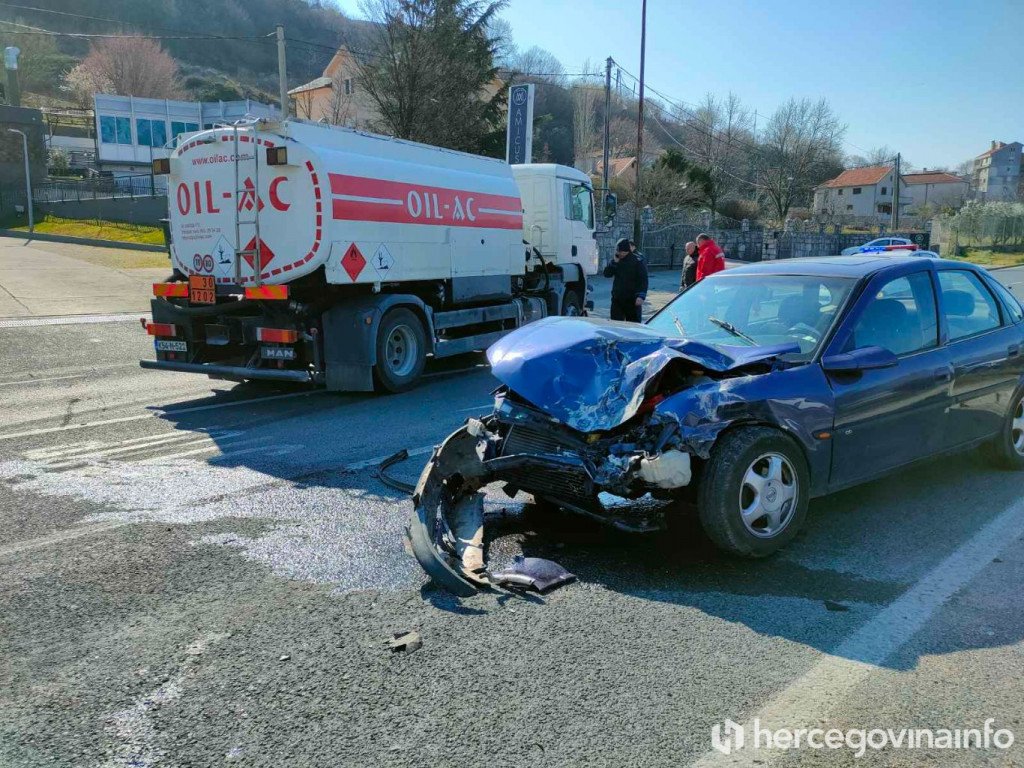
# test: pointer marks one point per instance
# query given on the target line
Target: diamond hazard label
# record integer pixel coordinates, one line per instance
(383, 261)
(353, 261)
(266, 255)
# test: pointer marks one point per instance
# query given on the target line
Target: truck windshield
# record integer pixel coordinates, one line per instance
(762, 309)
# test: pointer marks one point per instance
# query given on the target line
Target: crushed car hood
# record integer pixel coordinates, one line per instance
(593, 375)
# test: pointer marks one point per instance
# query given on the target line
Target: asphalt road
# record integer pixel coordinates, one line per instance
(197, 573)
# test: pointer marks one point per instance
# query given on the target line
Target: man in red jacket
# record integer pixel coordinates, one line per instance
(711, 258)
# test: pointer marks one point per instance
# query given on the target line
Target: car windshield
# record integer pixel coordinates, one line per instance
(752, 309)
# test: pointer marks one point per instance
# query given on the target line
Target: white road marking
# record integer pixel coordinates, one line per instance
(814, 696)
(29, 322)
(174, 442)
(140, 416)
(47, 378)
(59, 537)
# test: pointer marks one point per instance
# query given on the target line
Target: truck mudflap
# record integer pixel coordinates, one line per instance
(233, 372)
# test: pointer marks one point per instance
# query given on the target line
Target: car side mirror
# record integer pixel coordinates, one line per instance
(864, 359)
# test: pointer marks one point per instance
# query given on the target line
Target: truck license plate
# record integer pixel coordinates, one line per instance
(164, 345)
(201, 289)
(277, 353)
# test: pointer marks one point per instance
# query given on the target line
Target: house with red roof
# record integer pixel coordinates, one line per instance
(936, 189)
(860, 193)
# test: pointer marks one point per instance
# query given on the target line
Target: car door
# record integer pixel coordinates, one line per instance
(985, 350)
(889, 417)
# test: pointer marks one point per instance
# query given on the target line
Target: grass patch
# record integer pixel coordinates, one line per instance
(987, 258)
(98, 229)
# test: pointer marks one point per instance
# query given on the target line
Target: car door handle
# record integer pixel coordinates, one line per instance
(574, 250)
(1013, 350)
(943, 374)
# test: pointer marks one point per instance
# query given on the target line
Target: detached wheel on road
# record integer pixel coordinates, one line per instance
(754, 491)
(401, 350)
(572, 304)
(1007, 449)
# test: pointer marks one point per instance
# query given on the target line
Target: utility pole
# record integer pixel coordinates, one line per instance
(607, 121)
(640, 125)
(895, 221)
(282, 72)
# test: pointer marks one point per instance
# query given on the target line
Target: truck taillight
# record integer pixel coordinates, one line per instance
(267, 292)
(162, 329)
(161, 166)
(171, 290)
(277, 335)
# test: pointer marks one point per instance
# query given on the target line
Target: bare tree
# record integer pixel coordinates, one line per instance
(304, 103)
(800, 148)
(585, 98)
(128, 66)
(717, 136)
(340, 106)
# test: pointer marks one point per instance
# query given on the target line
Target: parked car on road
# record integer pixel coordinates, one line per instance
(879, 242)
(748, 394)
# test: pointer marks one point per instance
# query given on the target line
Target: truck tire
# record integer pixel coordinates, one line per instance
(753, 494)
(401, 350)
(572, 305)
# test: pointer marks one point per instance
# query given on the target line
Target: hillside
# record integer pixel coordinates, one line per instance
(242, 60)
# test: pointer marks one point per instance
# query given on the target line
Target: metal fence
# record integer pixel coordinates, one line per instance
(997, 226)
(65, 190)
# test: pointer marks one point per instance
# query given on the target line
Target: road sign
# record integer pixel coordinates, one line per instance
(519, 140)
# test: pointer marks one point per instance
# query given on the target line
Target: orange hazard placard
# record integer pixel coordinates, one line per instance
(201, 289)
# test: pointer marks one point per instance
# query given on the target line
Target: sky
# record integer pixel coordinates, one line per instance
(936, 80)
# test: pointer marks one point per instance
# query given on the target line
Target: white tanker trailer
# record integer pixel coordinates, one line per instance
(304, 252)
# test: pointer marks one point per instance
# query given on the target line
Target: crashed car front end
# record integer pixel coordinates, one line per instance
(589, 416)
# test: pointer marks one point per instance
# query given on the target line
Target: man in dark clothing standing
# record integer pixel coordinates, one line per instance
(689, 276)
(629, 284)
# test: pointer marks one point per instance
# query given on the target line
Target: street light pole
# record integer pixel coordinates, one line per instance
(28, 178)
(640, 126)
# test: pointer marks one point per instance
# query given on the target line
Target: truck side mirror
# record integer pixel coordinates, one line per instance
(611, 205)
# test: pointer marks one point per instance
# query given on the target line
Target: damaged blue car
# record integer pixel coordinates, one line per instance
(747, 395)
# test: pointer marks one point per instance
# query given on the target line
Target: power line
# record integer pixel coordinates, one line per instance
(27, 29)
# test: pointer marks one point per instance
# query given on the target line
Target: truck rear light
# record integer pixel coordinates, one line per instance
(277, 155)
(267, 292)
(277, 335)
(162, 329)
(161, 166)
(171, 290)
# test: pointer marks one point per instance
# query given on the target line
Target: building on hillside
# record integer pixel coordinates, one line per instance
(12, 151)
(335, 96)
(618, 167)
(936, 189)
(861, 193)
(131, 132)
(997, 173)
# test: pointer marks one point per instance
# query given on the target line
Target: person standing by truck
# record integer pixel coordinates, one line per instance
(629, 282)
(711, 258)
(689, 275)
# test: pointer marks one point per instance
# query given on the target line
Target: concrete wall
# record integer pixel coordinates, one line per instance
(141, 210)
(12, 162)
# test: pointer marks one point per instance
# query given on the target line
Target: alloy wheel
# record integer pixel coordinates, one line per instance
(768, 495)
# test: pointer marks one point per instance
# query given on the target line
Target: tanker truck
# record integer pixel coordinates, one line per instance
(322, 254)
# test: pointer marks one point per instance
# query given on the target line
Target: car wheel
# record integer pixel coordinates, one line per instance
(754, 491)
(401, 350)
(572, 306)
(1007, 449)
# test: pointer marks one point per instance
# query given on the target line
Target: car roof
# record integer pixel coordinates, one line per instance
(857, 266)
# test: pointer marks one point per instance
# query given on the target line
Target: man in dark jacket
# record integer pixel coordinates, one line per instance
(629, 284)
(689, 276)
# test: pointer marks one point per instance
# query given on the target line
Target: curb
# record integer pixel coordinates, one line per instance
(82, 241)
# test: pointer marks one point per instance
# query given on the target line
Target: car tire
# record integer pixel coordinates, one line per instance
(1006, 450)
(401, 350)
(738, 518)
(572, 305)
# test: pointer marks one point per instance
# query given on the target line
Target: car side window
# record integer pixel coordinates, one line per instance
(1009, 300)
(969, 307)
(902, 317)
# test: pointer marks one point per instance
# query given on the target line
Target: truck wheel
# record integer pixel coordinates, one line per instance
(572, 305)
(401, 350)
(754, 491)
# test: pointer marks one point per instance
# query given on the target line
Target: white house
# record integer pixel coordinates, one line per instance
(936, 189)
(861, 193)
(997, 173)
